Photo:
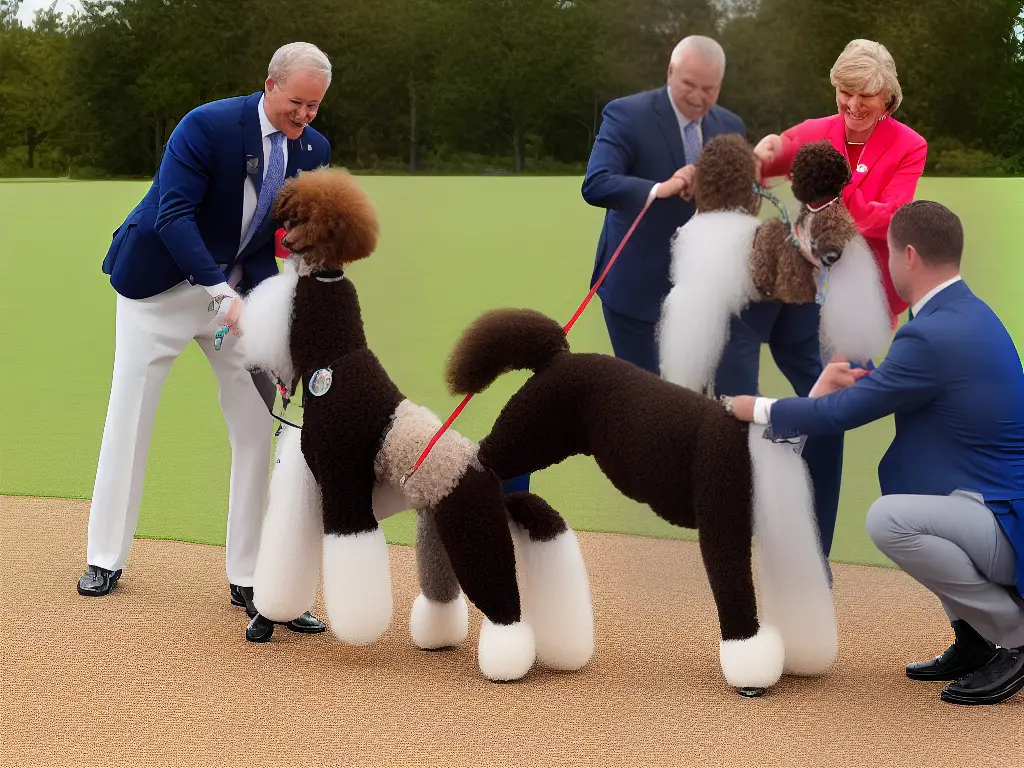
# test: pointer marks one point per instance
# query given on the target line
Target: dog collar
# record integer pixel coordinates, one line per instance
(329, 275)
(820, 204)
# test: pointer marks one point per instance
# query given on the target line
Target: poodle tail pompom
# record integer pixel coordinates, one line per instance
(795, 596)
(500, 341)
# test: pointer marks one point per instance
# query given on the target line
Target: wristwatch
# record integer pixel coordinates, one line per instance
(726, 403)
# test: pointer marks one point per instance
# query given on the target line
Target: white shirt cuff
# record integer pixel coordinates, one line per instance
(220, 289)
(763, 411)
(654, 190)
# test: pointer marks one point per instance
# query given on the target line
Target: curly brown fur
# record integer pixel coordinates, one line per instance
(329, 218)
(658, 443)
(819, 173)
(726, 172)
(779, 271)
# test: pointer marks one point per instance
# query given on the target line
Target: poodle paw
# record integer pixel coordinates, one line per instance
(505, 651)
(755, 662)
(439, 625)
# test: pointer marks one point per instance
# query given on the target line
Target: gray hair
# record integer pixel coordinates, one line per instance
(290, 58)
(706, 47)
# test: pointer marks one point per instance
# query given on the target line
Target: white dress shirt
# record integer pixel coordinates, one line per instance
(249, 200)
(763, 405)
(683, 122)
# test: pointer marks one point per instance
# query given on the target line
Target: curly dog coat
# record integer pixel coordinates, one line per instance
(684, 456)
(724, 258)
(345, 470)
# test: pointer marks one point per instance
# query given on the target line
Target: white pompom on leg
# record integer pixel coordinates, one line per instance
(288, 565)
(439, 625)
(755, 662)
(506, 651)
(357, 586)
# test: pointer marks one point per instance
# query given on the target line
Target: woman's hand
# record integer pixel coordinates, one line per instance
(766, 150)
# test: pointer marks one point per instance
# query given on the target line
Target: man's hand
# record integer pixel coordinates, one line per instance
(837, 375)
(670, 187)
(743, 407)
(688, 174)
(234, 316)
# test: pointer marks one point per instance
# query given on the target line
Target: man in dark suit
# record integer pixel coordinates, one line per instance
(952, 510)
(656, 136)
(203, 231)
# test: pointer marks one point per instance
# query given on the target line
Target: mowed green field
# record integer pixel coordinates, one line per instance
(450, 248)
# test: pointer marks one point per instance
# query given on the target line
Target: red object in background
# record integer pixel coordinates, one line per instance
(279, 250)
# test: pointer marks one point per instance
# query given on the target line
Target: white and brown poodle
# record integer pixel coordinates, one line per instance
(347, 468)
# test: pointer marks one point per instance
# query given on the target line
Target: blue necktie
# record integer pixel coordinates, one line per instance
(691, 142)
(271, 185)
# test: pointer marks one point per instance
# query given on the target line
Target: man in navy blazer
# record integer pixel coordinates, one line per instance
(952, 510)
(200, 239)
(657, 136)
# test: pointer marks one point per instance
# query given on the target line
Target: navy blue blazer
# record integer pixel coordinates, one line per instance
(954, 382)
(189, 224)
(639, 144)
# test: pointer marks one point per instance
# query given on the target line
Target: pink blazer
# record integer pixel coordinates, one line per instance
(884, 178)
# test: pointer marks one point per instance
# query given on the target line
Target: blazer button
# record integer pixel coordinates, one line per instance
(191, 280)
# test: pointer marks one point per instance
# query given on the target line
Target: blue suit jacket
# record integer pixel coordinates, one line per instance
(638, 145)
(953, 379)
(189, 224)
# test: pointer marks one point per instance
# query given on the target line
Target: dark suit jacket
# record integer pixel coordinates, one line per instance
(188, 226)
(953, 379)
(638, 145)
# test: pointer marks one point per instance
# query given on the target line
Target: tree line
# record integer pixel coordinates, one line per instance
(476, 85)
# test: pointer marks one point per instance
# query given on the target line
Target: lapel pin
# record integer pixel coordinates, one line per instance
(861, 168)
(252, 164)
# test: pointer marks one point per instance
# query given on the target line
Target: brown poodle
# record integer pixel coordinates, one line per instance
(725, 258)
(345, 470)
(684, 456)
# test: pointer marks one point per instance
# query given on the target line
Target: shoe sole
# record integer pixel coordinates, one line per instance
(997, 697)
(303, 631)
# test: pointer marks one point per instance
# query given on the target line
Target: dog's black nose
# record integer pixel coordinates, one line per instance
(828, 258)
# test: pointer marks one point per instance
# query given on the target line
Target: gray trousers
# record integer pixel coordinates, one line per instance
(954, 547)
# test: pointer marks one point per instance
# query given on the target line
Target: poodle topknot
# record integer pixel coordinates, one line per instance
(819, 173)
(726, 172)
(329, 218)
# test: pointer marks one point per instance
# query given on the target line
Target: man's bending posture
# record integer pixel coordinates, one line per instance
(952, 510)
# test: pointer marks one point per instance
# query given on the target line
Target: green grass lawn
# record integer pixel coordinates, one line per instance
(450, 248)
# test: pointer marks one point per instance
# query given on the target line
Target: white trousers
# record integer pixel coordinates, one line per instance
(150, 334)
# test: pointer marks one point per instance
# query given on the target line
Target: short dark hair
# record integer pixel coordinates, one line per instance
(932, 229)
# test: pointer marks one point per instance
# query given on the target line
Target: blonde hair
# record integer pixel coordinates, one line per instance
(865, 66)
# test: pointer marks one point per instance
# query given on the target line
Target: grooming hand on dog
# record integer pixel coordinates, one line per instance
(346, 468)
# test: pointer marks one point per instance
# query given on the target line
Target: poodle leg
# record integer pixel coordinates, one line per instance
(357, 576)
(440, 616)
(794, 584)
(751, 656)
(553, 583)
(473, 526)
(288, 565)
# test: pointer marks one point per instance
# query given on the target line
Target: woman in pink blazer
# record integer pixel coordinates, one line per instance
(886, 156)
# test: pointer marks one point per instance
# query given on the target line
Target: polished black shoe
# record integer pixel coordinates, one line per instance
(259, 630)
(242, 597)
(307, 624)
(968, 653)
(96, 581)
(994, 683)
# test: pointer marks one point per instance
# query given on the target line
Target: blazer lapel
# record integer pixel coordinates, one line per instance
(878, 142)
(669, 125)
(252, 137)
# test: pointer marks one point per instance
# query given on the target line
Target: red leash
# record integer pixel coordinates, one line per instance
(572, 321)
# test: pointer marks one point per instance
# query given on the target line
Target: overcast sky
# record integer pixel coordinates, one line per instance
(28, 8)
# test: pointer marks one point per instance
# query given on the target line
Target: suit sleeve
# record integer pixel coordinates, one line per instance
(873, 216)
(608, 183)
(184, 175)
(906, 379)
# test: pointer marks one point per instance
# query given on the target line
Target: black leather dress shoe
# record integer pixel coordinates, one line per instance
(259, 630)
(968, 653)
(306, 624)
(994, 683)
(96, 581)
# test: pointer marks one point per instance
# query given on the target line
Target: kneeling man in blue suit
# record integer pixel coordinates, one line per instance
(952, 510)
